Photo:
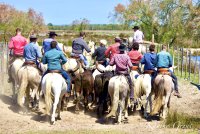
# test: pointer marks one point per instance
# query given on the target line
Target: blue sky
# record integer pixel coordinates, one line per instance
(65, 11)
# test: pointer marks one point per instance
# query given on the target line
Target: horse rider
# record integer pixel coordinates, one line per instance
(164, 60)
(149, 61)
(113, 49)
(122, 62)
(54, 58)
(135, 56)
(32, 52)
(46, 43)
(99, 53)
(138, 35)
(78, 45)
(16, 46)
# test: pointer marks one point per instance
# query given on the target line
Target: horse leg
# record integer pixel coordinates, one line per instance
(59, 108)
(77, 102)
(55, 104)
(126, 109)
(165, 109)
(119, 113)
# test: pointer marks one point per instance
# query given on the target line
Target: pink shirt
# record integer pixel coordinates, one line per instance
(122, 62)
(17, 43)
(111, 50)
(135, 56)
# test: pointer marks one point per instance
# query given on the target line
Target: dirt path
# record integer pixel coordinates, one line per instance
(13, 122)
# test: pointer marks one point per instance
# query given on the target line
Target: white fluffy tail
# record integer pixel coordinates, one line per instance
(48, 95)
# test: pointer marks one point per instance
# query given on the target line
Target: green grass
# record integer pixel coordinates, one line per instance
(182, 121)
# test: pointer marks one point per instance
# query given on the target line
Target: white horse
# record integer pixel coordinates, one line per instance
(13, 70)
(88, 56)
(118, 89)
(29, 81)
(143, 87)
(163, 87)
(54, 88)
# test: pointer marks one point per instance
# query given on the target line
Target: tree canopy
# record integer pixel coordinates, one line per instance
(171, 21)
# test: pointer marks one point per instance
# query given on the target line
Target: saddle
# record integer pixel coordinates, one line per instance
(100, 62)
(75, 57)
(164, 71)
(54, 71)
(134, 68)
(150, 72)
(29, 63)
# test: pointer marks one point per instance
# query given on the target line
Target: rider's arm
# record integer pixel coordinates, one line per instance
(11, 45)
(94, 54)
(44, 59)
(129, 63)
(107, 52)
(63, 58)
(142, 61)
(170, 60)
(86, 46)
(37, 50)
(112, 61)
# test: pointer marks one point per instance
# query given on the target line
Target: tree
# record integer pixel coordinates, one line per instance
(80, 25)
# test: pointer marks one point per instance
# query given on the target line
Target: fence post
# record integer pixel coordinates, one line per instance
(195, 64)
(178, 64)
(182, 62)
(199, 72)
(186, 62)
(189, 64)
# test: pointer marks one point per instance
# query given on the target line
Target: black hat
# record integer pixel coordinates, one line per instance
(136, 27)
(33, 36)
(122, 47)
(52, 33)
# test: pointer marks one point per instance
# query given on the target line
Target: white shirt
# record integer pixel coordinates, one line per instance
(138, 36)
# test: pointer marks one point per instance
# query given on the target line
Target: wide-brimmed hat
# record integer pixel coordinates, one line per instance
(136, 27)
(122, 47)
(104, 42)
(52, 33)
(33, 36)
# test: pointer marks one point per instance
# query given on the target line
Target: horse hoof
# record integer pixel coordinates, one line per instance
(77, 111)
(58, 118)
(52, 122)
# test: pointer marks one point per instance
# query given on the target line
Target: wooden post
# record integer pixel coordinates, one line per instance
(189, 64)
(195, 64)
(173, 56)
(178, 64)
(199, 72)
(186, 62)
(182, 62)
(152, 39)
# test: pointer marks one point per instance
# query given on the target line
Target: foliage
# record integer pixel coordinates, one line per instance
(80, 25)
(176, 120)
(171, 21)
(10, 19)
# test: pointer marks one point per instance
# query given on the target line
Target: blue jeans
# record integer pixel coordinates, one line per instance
(82, 57)
(66, 76)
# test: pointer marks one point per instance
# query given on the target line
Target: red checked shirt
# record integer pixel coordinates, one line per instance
(17, 43)
(135, 56)
(122, 62)
(111, 50)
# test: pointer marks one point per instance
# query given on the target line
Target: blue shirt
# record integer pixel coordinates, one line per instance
(164, 60)
(78, 45)
(100, 53)
(32, 52)
(47, 45)
(149, 61)
(53, 58)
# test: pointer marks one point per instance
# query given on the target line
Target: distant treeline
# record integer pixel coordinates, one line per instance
(90, 27)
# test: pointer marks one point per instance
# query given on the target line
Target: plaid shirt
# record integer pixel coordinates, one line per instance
(122, 62)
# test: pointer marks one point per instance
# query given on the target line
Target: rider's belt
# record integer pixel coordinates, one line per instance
(75, 56)
(148, 72)
(164, 71)
(29, 63)
(54, 71)
(100, 62)
(135, 68)
(17, 56)
(160, 70)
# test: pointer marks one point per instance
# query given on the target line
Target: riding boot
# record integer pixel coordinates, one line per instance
(175, 81)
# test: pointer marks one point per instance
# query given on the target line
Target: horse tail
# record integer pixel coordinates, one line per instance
(23, 81)
(159, 93)
(48, 95)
